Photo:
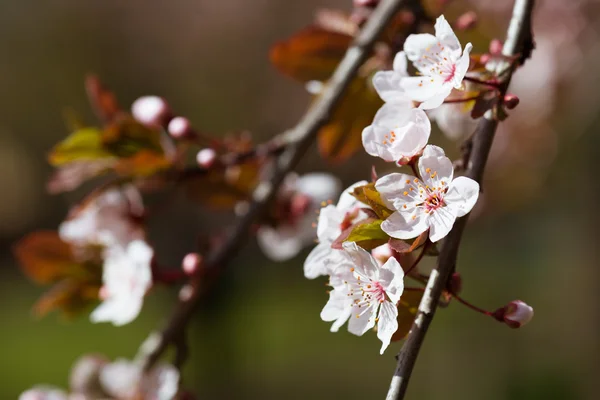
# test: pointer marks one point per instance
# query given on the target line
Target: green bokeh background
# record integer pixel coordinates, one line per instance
(260, 335)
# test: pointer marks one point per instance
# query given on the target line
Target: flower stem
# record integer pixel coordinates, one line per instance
(471, 306)
(492, 84)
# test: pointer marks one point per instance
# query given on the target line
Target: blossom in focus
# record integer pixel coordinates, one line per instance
(333, 220)
(127, 276)
(365, 294)
(299, 199)
(124, 379)
(517, 313)
(441, 63)
(108, 219)
(398, 133)
(388, 84)
(433, 202)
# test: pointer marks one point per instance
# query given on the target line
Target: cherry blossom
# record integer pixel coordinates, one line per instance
(127, 276)
(300, 198)
(398, 132)
(365, 294)
(441, 62)
(388, 84)
(333, 220)
(108, 219)
(454, 120)
(432, 203)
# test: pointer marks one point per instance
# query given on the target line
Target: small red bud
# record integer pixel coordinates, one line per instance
(511, 101)
(206, 157)
(496, 47)
(191, 262)
(151, 110)
(515, 314)
(466, 21)
(179, 127)
(455, 283)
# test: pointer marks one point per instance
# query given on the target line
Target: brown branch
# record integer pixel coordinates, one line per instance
(519, 41)
(298, 140)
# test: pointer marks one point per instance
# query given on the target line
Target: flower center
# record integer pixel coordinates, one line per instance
(434, 201)
(373, 291)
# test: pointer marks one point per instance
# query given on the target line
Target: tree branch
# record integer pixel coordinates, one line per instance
(297, 140)
(519, 41)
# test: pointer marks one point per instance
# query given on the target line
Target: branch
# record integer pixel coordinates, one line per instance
(519, 41)
(297, 140)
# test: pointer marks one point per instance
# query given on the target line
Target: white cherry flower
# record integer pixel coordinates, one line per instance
(365, 294)
(398, 133)
(388, 84)
(303, 196)
(333, 219)
(44, 393)
(127, 276)
(432, 203)
(454, 120)
(441, 62)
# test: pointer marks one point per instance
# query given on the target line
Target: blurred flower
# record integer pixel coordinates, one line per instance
(125, 380)
(332, 221)
(43, 393)
(85, 376)
(454, 120)
(398, 133)
(516, 314)
(106, 220)
(365, 293)
(433, 203)
(151, 110)
(441, 62)
(127, 276)
(298, 200)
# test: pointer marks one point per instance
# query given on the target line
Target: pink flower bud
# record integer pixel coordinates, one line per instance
(515, 314)
(179, 127)
(511, 101)
(206, 157)
(496, 47)
(191, 263)
(151, 110)
(466, 21)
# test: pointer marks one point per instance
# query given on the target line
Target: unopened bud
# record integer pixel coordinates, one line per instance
(455, 283)
(206, 157)
(515, 314)
(151, 110)
(179, 127)
(466, 21)
(496, 47)
(191, 263)
(511, 101)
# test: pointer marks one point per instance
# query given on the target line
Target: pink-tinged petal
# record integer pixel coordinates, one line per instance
(437, 100)
(417, 45)
(399, 227)
(362, 319)
(388, 85)
(391, 277)
(462, 66)
(347, 201)
(317, 262)
(387, 324)
(445, 34)
(400, 64)
(440, 223)
(399, 190)
(462, 195)
(364, 264)
(436, 170)
(328, 227)
(423, 88)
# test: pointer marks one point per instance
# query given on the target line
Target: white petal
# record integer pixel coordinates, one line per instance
(454, 120)
(400, 64)
(438, 99)
(445, 34)
(433, 151)
(462, 195)
(161, 383)
(319, 187)
(364, 263)
(411, 138)
(388, 84)
(279, 244)
(316, 263)
(391, 278)
(337, 309)
(440, 223)
(328, 227)
(119, 310)
(387, 324)
(362, 319)
(121, 379)
(395, 191)
(348, 201)
(416, 45)
(462, 66)
(435, 169)
(43, 393)
(405, 228)
(423, 88)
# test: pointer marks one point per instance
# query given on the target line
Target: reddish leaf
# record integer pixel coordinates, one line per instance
(44, 257)
(311, 54)
(101, 99)
(405, 246)
(214, 190)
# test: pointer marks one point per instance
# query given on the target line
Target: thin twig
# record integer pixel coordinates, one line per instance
(298, 139)
(519, 40)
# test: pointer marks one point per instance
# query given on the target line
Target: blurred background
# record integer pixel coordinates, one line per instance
(535, 235)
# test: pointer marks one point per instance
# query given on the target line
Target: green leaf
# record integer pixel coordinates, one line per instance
(84, 144)
(369, 195)
(368, 234)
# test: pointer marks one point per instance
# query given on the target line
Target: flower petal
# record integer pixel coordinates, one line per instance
(399, 227)
(400, 64)
(316, 263)
(348, 201)
(279, 244)
(462, 195)
(337, 309)
(364, 264)
(391, 277)
(445, 34)
(398, 190)
(328, 227)
(440, 223)
(423, 88)
(438, 99)
(462, 66)
(435, 168)
(362, 319)
(387, 324)
(388, 85)
(416, 45)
